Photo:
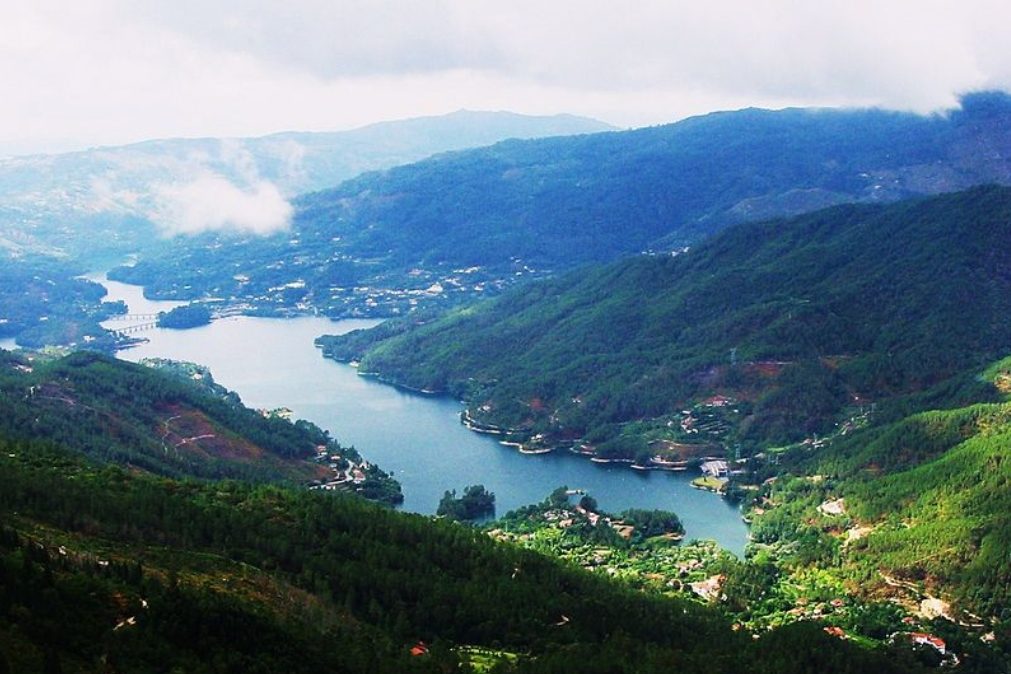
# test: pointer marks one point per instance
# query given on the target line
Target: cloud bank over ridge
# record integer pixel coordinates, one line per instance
(112, 71)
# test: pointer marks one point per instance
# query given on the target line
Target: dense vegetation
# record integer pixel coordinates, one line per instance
(557, 203)
(186, 316)
(584, 523)
(770, 589)
(66, 610)
(122, 413)
(476, 502)
(832, 332)
(927, 496)
(102, 569)
(43, 302)
(649, 523)
(794, 321)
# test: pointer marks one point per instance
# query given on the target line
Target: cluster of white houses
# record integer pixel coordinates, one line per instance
(350, 474)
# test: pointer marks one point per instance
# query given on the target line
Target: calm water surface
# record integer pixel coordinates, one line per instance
(273, 363)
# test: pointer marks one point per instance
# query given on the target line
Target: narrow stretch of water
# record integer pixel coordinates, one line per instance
(273, 363)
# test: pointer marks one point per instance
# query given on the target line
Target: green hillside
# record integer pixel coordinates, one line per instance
(44, 302)
(175, 422)
(107, 570)
(956, 505)
(522, 208)
(921, 508)
(798, 323)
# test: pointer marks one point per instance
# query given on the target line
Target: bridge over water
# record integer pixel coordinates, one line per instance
(136, 323)
(133, 317)
(137, 327)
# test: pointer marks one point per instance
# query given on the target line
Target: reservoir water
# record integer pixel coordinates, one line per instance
(273, 363)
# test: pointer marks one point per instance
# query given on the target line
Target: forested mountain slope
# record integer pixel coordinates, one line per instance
(105, 570)
(922, 505)
(43, 301)
(117, 412)
(556, 203)
(794, 321)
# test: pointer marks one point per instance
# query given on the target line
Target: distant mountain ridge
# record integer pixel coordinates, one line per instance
(564, 201)
(556, 203)
(62, 203)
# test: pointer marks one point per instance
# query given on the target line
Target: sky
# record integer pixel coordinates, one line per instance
(80, 73)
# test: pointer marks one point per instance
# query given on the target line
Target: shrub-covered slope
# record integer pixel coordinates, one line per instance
(922, 504)
(128, 414)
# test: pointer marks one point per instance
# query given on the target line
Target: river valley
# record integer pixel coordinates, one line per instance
(273, 363)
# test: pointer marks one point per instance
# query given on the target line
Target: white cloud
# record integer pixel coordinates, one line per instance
(212, 202)
(111, 71)
(349, 38)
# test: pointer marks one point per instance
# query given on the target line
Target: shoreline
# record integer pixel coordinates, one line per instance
(468, 421)
(713, 485)
(404, 387)
(655, 465)
(523, 449)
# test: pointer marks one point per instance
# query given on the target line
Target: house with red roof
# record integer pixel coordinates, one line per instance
(929, 640)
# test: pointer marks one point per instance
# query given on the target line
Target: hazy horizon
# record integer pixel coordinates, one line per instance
(113, 72)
